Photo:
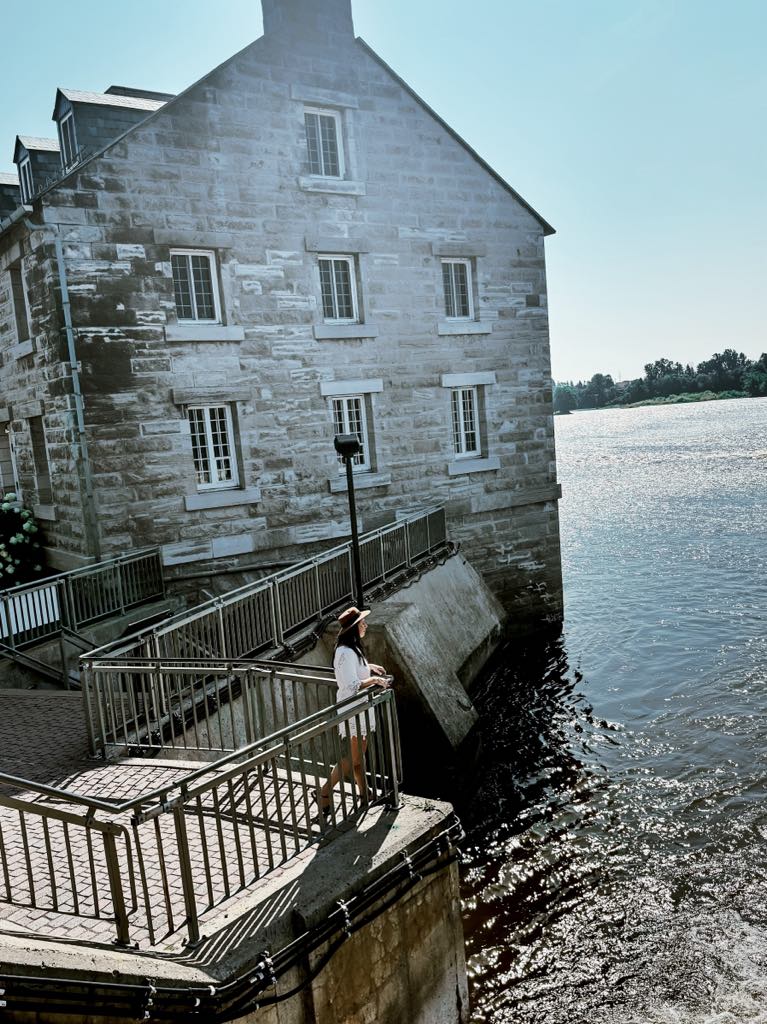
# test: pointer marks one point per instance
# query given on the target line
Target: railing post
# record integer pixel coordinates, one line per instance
(276, 613)
(65, 610)
(161, 570)
(185, 868)
(11, 638)
(317, 587)
(88, 678)
(392, 750)
(383, 559)
(116, 889)
(120, 589)
(222, 637)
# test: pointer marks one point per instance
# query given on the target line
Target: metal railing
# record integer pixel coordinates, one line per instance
(36, 612)
(197, 705)
(265, 614)
(154, 864)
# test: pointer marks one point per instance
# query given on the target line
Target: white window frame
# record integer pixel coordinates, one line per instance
(469, 286)
(25, 180)
(365, 465)
(351, 261)
(459, 429)
(213, 263)
(25, 298)
(217, 485)
(336, 116)
(68, 142)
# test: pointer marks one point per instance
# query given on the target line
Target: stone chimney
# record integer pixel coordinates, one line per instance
(307, 19)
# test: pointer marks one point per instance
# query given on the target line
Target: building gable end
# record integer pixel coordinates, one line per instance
(547, 228)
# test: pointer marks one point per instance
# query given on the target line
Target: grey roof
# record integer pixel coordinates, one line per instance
(33, 142)
(9, 179)
(111, 100)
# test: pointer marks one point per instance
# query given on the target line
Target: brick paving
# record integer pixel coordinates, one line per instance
(53, 872)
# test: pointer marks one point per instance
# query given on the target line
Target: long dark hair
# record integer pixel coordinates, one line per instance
(351, 638)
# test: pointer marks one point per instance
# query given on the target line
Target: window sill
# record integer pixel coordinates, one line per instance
(464, 327)
(337, 186)
(222, 499)
(23, 348)
(461, 466)
(329, 332)
(46, 512)
(361, 481)
(204, 332)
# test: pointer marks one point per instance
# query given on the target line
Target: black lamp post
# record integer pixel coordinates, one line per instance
(347, 446)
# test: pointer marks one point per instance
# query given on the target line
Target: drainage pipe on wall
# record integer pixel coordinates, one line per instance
(91, 521)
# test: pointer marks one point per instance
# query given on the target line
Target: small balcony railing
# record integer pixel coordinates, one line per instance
(36, 612)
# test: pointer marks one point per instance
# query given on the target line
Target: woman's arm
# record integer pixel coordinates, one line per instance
(377, 670)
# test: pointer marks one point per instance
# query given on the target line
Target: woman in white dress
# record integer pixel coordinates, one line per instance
(354, 673)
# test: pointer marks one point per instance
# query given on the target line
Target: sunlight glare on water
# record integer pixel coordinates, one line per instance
(615, 867)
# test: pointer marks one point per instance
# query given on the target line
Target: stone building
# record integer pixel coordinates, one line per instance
(199, 291)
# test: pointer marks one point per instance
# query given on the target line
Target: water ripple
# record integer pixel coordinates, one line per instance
(614, 868)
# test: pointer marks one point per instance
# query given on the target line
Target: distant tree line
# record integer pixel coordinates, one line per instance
(725, 374)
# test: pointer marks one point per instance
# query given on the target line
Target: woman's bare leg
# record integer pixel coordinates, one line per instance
(359, 746)
(344, 769)
(341, 770)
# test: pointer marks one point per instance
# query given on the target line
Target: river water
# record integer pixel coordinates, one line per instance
(616, 862)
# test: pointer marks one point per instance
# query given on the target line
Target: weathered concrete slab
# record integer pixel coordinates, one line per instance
(435, 636)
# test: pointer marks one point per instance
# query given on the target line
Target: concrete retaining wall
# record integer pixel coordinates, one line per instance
(405, 965)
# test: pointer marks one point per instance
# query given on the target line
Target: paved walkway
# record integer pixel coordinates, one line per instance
(54, 880)
(42, 734)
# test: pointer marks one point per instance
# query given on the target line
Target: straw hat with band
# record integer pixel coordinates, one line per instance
(349, 618)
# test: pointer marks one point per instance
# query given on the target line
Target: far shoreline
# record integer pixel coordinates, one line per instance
(684, 399)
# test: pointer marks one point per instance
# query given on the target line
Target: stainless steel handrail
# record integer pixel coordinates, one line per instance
(291, 597)
(202, 837)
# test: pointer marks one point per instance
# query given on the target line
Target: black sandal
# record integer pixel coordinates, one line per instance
(322, 809)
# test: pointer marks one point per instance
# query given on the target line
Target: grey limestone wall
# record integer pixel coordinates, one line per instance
(35, 382)
(224, 168)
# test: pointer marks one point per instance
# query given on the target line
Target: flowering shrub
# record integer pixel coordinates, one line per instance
(21, 554)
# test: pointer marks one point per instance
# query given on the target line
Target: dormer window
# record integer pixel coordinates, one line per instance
(25, 179)
(68, 141)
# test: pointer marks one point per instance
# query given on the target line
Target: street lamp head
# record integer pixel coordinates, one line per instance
(347, 445)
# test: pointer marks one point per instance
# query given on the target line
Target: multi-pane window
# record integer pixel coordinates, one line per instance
(195, 286)
(19, 296)
(456, 279)
(465, 409)
(323, 142)
(68, 141)
(25, 179)
(349, 417)
(215, 462)
(40, 458)
(8, 482)
(339, 290)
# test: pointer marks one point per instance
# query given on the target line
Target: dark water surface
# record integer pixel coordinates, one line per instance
(616, 863)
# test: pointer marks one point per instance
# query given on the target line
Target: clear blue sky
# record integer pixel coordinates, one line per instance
(636, 128)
